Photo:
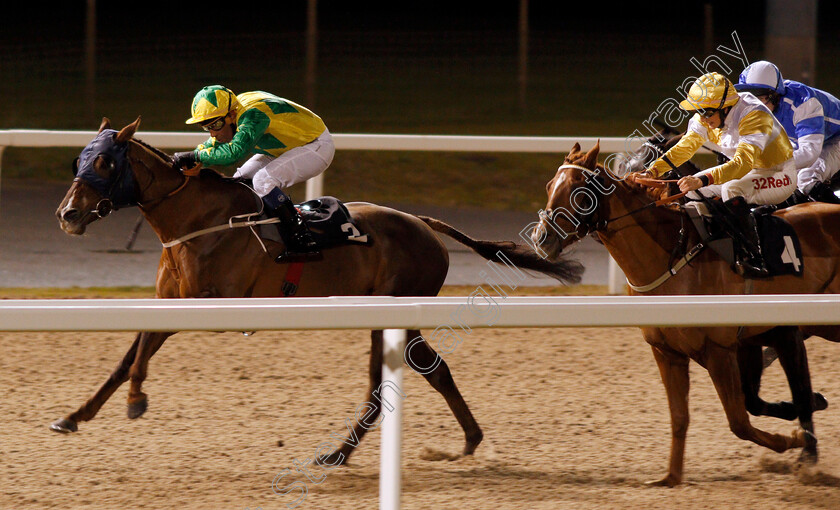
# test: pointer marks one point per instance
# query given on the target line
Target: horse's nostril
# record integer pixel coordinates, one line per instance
(70, 215)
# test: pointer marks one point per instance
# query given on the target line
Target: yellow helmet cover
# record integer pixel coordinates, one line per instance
(710, 91)
(212, 102)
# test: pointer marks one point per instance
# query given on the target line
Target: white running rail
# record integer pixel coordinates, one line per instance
(411, 313)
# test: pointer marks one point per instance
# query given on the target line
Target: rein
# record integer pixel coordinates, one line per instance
(655, 183)
(232, 223)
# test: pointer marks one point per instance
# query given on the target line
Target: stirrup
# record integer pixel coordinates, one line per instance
(747, 269)
(298, 256)
(301, 247)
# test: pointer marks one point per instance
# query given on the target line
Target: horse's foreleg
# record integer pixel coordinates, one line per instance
(423, 359)
(751, 362)
(89, 409)
(149, 344)
(794, 361)
(673, 368)
(750, 366)
(722, 365)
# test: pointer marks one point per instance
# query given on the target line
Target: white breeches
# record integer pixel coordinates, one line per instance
(823, 168)
(292, 167)
(759, 186)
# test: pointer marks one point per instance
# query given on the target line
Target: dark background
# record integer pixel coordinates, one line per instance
(382, 67)
(168, 50)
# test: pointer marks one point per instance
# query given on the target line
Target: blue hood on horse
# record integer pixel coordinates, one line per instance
(116, 183)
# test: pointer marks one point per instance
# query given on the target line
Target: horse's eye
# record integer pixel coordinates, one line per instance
(104, 166)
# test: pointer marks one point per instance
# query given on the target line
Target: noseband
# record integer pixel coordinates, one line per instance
(119, 188)
(588, 221)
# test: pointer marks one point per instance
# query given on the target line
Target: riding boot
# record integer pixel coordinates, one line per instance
(296, 236)
(822, 193)
(752, 262)
(797, 198)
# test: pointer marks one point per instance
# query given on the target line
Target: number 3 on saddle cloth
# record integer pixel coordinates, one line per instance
(328, 220)
(779, 243)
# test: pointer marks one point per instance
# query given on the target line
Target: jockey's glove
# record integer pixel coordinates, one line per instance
(184, 160)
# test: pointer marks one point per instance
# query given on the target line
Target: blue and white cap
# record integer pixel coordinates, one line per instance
(761, 75)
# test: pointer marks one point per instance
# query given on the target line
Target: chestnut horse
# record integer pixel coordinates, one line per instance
(643, 238)
(405, 258)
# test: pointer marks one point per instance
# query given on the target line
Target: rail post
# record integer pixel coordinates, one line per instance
(390, 475)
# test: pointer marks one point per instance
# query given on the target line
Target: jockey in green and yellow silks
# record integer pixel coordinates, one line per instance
(290, 144)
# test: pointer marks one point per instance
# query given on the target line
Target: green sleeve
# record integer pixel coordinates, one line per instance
(252, 124)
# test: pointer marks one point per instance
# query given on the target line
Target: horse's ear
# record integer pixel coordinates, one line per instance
(591, 158)
(575, 148)
(127, 132)
(106, 124)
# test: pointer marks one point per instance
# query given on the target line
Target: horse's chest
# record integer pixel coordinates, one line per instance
(691, 341)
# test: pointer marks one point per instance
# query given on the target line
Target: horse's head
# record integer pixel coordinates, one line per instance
(575, 196)
(103, 179)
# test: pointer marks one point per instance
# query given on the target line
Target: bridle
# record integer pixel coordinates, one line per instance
(150, 203)
(591, 221)
(120, 188)
(586, 220)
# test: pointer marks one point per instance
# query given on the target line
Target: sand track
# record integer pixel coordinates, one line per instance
(573, 418)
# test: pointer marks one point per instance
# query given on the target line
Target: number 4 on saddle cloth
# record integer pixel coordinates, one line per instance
(327, 219)
(778, 242)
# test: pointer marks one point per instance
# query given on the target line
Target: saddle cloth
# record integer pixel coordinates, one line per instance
(779, 243)
(328, 220)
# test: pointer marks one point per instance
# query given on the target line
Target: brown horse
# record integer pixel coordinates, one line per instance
(644, 240)
(405, 258)
(751, 360)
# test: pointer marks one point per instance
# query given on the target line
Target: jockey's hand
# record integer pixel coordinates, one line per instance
(689, 183)
(633, 176)
(184, 160)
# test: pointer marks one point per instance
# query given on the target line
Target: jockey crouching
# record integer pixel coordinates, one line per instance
(291, 144)
(811, 118)
(760, 170)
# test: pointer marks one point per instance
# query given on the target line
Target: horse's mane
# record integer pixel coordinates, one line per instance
(212, 173)
(157, 152)
(205, 173)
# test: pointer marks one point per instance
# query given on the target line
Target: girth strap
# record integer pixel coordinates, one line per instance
(693, 252)
(293, 274)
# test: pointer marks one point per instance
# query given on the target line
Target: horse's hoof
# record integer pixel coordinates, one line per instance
(64, 426)
(809, 453)
(820, 402)
(332, 460)
(136, 409)
(669, 481)
(472, 443)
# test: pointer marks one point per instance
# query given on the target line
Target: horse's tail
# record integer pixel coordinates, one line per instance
(564, 270)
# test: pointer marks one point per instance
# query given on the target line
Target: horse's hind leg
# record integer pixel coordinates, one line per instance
(149, 344)
(722, 365)
(423, 359)
(357, 432)
(89, 409)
